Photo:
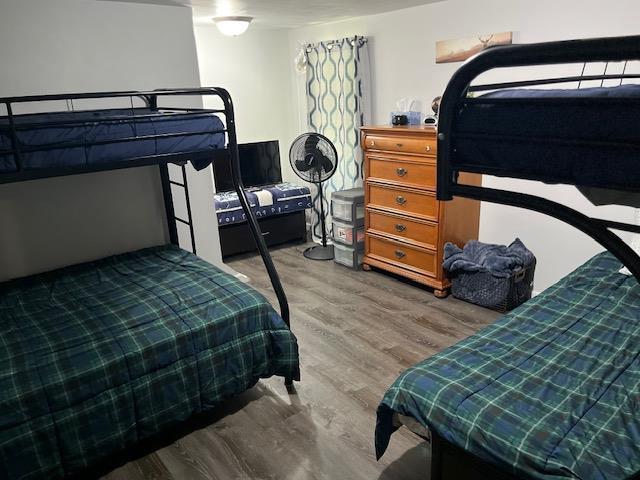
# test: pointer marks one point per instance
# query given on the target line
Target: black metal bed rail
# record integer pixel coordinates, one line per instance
(455, 99)
(552, 81)
(141, 118)
(150, 98)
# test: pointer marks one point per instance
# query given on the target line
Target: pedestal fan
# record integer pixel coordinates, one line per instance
(314, 159)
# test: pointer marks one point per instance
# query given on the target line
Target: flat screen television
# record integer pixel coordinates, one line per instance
(259, 166)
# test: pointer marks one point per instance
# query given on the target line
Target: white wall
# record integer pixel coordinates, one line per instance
(402, 50)
(254, 67)
(73, 45)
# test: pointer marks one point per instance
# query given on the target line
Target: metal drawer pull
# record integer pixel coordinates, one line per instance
(372, 143)
(399, 145)
(401, 172)
(400, 227)
(428, 148)
(400, 200)
(400, 254)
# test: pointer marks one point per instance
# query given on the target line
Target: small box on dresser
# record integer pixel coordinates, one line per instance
(405, 226)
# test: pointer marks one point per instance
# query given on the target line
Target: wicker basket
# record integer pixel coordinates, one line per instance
(497, 293)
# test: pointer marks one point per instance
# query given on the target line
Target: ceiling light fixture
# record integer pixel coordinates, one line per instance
(232, 26)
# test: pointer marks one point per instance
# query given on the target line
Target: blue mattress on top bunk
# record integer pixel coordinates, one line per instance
(265, 201)
(527, 133)
(75, 139)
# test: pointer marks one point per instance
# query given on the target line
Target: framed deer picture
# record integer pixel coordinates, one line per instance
(460, 49)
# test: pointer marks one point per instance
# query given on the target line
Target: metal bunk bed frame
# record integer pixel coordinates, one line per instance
(455, 98)
(447, 458)
(150, 98)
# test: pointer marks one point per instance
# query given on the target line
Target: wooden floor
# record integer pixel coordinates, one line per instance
(357, 331)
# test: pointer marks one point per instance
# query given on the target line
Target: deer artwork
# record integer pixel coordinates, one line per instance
(485, 40)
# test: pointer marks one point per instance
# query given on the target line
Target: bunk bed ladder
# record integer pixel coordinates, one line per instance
(172, 219)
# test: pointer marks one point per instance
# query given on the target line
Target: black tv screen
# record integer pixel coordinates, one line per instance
(259, 165)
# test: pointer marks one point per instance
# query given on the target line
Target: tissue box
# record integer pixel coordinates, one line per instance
(415, 118)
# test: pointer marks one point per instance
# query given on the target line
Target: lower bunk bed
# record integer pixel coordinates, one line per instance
(551, 390)
(96, 357)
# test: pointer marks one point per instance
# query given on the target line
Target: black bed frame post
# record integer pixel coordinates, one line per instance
(153, 102)
(436, 457)
(455, 97)
(15, 144)
(251, 218)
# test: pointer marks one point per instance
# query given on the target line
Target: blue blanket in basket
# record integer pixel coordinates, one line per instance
(499, 260)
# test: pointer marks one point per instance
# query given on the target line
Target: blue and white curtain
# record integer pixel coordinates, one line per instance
(337, 94)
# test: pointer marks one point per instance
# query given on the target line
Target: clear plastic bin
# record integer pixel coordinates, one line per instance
(348, 234)
(348, 205)
(347, 211)
(347, 256)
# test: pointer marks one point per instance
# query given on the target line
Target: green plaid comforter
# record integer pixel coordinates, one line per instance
(97, 356)
(550, 390)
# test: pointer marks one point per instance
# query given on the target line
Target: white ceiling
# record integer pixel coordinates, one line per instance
(288, 13)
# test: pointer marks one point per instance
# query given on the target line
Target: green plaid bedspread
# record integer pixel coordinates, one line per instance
(551, 390)
(98, 356)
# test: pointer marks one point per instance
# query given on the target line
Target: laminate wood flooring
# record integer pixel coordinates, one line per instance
(357, 331)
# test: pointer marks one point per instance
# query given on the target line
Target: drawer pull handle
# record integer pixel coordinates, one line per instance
(400, 200)
(400, 227)
(428, 148)
(399, 145)
(372, 143)
(401, 172)
(400, 254)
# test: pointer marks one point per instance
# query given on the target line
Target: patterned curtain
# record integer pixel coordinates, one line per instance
(337, 91)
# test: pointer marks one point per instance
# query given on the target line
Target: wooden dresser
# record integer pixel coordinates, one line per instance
(406, 227)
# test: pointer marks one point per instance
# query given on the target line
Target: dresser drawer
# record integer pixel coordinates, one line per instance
(423, 146)
(411, 202)
(403, 255)
(420, 174)
(423, 233)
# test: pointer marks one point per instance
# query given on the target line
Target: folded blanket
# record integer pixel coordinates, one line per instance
(499, 260)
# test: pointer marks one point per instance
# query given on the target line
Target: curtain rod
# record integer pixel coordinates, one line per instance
(329, 43)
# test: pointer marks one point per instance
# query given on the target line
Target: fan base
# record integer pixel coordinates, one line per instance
(318, 252)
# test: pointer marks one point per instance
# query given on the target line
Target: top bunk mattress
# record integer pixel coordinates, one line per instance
(548, 391)
(588, 137)
(83, 138)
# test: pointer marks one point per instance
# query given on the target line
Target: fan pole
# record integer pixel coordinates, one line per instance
(324, 251)
(323, 221)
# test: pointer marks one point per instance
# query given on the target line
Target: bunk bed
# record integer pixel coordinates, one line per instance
(550, 390)
(97, 357)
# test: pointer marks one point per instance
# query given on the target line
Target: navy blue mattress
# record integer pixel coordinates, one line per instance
(74, 133)
(265, 202)
(521, 126)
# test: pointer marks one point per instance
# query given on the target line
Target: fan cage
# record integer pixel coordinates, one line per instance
(299, 151)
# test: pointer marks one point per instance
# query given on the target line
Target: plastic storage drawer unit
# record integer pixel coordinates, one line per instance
(348, 256)
(348, 205)
(348, 234)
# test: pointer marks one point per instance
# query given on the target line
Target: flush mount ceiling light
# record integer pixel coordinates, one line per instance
(232, 26)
